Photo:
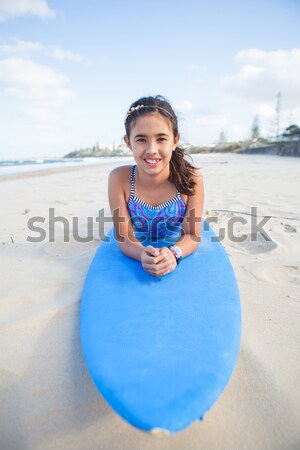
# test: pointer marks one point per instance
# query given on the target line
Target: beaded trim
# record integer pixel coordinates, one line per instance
(136, 108)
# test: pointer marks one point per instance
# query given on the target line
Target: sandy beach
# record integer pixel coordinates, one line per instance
(48, 400)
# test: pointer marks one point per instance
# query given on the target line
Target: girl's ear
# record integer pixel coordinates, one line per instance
(127, 141)
(176, 140)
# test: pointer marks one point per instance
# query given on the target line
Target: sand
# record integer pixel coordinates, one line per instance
(48, 400)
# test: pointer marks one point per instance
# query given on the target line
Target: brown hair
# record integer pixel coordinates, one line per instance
(181, 171)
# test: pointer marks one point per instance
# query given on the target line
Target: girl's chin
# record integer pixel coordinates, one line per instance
(152, 164)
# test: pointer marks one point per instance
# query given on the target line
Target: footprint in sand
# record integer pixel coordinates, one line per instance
(254, 244)
(282, 274)
(288, 228)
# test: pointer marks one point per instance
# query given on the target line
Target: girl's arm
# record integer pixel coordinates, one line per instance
(191, 224)
(121, 219)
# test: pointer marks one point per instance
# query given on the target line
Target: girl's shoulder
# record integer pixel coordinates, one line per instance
(120, 179)
(121, 172)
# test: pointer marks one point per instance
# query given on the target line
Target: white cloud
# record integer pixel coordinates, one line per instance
(217, 120)
(38, 86)
(19, 47)
(214, 122)
(265, 110)
(41, 115)
(40, 89)
(22, 48)
(220, 121)
(265, 73)
(63, 55)
(185, 105)
(26, 72)
(12, 8)
(261, 76)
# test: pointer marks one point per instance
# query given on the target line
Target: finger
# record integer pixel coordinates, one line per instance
(166, 271)
(161, 268)
(151, 272)
(156, 259)
(159, 273)
(164, 253)
(163, 256)
(151, 251)
(169, 270)
(161, 265)
(155, 269)
(155, 264)
(150, 260)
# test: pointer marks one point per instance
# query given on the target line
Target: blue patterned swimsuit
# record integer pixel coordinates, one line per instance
(154, 223)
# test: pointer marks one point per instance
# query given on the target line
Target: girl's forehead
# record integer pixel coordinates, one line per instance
(151, 121)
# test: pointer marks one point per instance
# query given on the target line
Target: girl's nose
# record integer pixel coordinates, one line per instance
(151, 148)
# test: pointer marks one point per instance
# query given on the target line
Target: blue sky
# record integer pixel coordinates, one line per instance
(69, 70)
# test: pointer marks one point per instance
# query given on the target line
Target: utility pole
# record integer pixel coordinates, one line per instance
(278, 112)
(255, 129)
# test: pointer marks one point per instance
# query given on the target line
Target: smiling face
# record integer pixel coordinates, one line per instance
(152, 142)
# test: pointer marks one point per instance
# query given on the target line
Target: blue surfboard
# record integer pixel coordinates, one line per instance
(161, 350)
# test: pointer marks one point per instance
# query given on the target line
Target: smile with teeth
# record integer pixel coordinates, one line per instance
(152, 161)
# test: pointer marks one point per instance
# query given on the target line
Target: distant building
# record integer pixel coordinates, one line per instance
(291, 133)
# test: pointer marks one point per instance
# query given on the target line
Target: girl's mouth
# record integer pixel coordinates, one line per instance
(152, 162)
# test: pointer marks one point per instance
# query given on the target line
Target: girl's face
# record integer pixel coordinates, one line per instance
(152, 142)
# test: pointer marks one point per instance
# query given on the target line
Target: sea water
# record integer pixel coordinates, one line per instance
(11, 167)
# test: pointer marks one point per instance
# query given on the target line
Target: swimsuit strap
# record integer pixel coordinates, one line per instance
(132, 179)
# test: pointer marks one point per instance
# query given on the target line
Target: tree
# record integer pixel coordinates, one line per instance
(255, 129)
(292, 130)
(278, 112)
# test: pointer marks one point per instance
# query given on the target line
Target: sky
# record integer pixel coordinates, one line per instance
(69, 70)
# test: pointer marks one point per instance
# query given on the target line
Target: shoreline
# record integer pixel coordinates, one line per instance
(45, 172)
(39, 169)
(50, 171)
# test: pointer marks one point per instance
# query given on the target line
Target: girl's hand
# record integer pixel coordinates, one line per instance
(158, 262)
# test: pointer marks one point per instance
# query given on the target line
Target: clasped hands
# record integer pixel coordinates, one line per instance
(158, 261)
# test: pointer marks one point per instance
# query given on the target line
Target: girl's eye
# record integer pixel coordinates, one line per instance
(160, 139)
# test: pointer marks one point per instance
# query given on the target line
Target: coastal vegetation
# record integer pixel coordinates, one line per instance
(287, 144)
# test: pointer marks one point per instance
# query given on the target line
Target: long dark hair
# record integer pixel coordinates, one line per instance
(181, 170)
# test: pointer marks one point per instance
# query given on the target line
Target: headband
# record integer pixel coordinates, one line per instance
(135, 108)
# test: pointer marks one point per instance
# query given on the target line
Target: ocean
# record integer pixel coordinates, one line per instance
(11, 167)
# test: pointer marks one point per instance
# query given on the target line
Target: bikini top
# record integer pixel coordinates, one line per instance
(156, 222)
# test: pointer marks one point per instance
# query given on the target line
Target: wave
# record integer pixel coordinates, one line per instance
(10, 167)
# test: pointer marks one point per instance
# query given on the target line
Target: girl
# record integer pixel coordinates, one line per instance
(161, 197)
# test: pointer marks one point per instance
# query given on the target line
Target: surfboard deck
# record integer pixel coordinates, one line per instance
(161, 350)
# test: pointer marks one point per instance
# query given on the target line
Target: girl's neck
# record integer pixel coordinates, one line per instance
(152, 181)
